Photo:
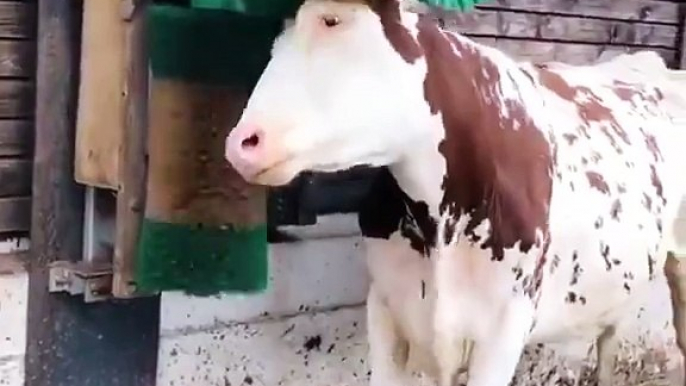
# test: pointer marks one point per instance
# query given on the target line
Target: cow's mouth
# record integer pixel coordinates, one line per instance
(267, 175)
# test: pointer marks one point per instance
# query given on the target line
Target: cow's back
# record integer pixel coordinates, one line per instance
(616, 189)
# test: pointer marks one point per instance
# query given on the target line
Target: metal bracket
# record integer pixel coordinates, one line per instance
(93, 281)
(129, 8)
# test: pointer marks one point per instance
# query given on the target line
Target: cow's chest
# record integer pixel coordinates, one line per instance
(387, 210)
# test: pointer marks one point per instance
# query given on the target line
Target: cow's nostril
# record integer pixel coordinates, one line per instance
(251, 141)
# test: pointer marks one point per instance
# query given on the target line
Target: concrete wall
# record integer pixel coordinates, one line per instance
(307, 329)
(13, 299)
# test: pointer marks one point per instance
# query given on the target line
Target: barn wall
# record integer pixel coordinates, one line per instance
(309, 329)
(17, 66)
(578, 32)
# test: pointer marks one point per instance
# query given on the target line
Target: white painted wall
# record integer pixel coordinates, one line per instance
(13, 302)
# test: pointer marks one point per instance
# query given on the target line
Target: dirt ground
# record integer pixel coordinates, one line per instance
(671, 379)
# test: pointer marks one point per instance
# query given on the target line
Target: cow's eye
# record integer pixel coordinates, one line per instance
(330, 21)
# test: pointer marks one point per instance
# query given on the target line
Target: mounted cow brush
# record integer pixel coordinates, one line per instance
(185, 244)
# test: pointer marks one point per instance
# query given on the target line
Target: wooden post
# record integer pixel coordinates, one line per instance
(681, 60)
(132, 157)
(70, 343)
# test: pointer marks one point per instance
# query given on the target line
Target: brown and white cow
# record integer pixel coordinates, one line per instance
(525, 202)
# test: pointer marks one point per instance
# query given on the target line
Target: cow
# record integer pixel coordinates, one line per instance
(523, 202)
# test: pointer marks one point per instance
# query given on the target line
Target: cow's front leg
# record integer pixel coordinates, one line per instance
(388, 352)
(495, 357)
(607, 347)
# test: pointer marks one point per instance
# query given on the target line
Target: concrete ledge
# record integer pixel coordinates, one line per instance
(330, 348)
(327, 348)
(13, 303)
(12, 370)
(314, 274)
(13, 314)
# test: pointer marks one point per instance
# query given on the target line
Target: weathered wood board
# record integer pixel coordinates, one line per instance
(17, 94)
(16, 98)
(537, 26)
(132, 165)
(15, 177)
(682, 50)
(100, 119)
(17, 58)
(17, 19)
(653, 11)
(15, 214)
(16, 138)
(577, 32)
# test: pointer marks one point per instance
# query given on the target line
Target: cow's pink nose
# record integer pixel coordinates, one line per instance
(245, 149)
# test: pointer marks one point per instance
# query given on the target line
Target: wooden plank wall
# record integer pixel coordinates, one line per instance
(17, 68)
(574, 31)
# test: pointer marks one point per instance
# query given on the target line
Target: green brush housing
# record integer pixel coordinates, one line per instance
(281, 8)
(210, 48)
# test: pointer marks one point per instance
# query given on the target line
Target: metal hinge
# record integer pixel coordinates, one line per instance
(92, 280)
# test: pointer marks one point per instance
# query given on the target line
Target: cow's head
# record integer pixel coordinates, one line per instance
(339, 91)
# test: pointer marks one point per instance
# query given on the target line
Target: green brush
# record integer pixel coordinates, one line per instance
(454, 5)
(204, 230)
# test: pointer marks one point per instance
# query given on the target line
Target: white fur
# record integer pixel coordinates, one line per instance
(343, 97)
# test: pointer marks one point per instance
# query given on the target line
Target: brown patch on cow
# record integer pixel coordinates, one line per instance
(400, 38)
(536, 283)
(590, 106)
(616, 209)
(555, 83)
(605, 253)
(657, 183)
(647, 201)
(623, 91)
(651, 145)
(598, 181)
(630, 92)
(651, 267)
(494, 172)
(598, 223)
(571, 138)
(576, 274)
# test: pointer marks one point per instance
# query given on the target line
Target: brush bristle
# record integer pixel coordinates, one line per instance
(454, 5)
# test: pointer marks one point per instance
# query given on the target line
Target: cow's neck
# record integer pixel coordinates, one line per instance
(420, 173)
(482, 144)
